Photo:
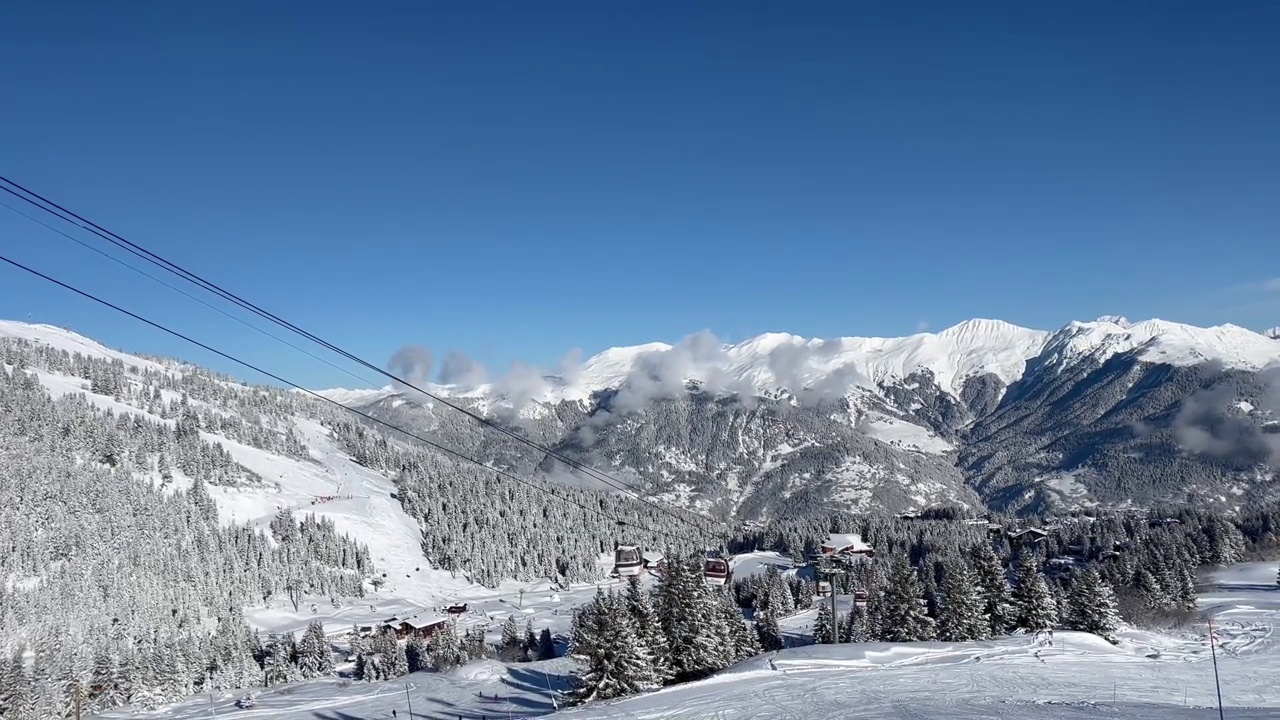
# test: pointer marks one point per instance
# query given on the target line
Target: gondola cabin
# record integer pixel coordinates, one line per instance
(627, 561)
(715, 571)
(824, 588)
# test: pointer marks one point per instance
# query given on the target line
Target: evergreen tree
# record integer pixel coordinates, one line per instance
(645, 618)
(446, 651)
(530, 644)
(961, 616)
(547, 646)
(897, 612)
(854, 628)
(1091, 606)
(510, 634)
(824, 625)
(616, 662)
(16, 697)
(107, 685)
(767, 632)
(314, 657)
(277, 666)
(996, 596)
(417, 654)
(1034, 605)
(473, 645)
(774, 594)
(687, 614)
(739, 642)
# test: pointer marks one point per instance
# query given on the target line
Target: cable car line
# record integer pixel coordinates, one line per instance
(176, 289)
(312, 393)
(141, 252)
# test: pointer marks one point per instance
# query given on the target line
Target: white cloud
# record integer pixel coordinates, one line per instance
(922, 326)
(1272, 285)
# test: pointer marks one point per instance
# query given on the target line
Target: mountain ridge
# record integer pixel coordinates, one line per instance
(984, 413)
(777, 361)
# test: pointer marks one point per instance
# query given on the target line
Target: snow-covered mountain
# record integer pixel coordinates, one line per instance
(984, 411)
(778, 361)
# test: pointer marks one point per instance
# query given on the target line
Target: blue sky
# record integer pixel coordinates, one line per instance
(515, 180)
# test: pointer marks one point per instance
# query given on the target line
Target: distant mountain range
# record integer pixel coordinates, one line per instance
(982, 413)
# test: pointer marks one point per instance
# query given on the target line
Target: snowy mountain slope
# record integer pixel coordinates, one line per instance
(845, 421)
(64, 339)
(778, 361)
(359, 501)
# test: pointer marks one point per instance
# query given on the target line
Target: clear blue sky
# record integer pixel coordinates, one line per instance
(514, 180)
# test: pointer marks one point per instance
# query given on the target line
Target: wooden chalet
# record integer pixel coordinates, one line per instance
(420, 625)
(1028, 535)
(846, 545)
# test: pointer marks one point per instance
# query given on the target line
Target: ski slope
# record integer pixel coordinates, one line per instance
(1080, 676)
(1148, 676)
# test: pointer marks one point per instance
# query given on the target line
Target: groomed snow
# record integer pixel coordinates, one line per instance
(1147, 676)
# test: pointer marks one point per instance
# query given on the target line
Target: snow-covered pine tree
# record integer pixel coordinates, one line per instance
(1035, 609)
(616, 662)
(639, 606)
(767, 632)
(314, 657)
(1091, 606)
(397, 660)
(473, 646)
(417, 654)
(996, 595)
(530, 644)
(687, 614)
(446, 651)
(547, 646)
(961, 616)
(740, 642)
(16, 699)
(823, 624)
(277, 666)
(780, 601)
(510, 634)
(854, 627)
(107, 685)
(899, 613)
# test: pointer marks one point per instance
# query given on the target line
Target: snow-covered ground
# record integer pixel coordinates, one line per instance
(1148, 676)
(901, 433)
(1080, 676)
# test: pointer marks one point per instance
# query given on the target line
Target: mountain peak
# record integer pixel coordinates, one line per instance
(1120, 320)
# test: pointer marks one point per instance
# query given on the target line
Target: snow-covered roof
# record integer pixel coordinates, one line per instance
(417, 622)
(846, 542)
(652, 557)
